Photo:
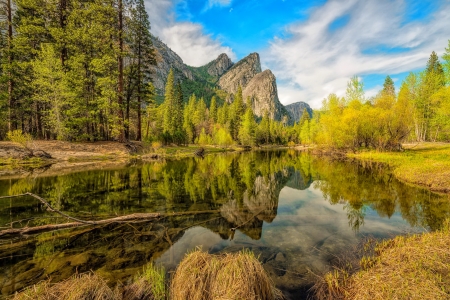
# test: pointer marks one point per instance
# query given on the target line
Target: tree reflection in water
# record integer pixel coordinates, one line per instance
(237, 191)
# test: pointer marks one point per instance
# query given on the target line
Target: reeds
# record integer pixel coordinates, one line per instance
(201, 276)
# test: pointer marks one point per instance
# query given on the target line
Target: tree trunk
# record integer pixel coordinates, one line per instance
(11, 119)
(62, 24)
(139, 125)
(120, 79)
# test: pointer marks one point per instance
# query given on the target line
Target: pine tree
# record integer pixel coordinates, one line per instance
(213, 110)
(178, 109)
(188, 123)
(264, 128)
(247, 128)
(169, 104)
(50, 88)
(305, 117)
(142, 57)
(434, 69)
(388, 87)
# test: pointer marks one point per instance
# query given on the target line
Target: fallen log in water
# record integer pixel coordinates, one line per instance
(79, 222)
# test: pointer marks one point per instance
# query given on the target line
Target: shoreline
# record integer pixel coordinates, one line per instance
(70, 157)
(424, 165)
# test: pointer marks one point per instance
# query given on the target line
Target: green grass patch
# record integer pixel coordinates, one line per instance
(426, 164)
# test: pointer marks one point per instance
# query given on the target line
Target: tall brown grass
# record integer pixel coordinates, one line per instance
(406, 267)
(202, 276)
(87, 286)
(148, 285)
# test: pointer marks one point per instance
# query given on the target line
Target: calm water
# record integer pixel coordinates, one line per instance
(295, 211)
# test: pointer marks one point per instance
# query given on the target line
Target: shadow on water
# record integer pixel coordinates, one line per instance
(295, 211)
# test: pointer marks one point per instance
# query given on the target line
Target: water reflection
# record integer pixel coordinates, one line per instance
(294, 210)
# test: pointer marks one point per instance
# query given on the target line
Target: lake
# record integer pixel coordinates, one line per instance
(297, 212)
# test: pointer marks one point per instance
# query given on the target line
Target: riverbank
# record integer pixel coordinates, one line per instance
(405, 267)
(426, 164)
(66, 157)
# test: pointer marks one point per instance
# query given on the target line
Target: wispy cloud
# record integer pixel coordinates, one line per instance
(319, 57)
(212, 3)
(187, 39)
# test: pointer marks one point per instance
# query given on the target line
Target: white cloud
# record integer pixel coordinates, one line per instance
(212, 3)
(187, 39)
(316, 61)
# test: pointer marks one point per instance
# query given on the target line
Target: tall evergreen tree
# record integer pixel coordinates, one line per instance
(434, 69)
(141, 56)
(213, 110)
(169, 104)
(121, 129)
(305, 117)
(388, 86)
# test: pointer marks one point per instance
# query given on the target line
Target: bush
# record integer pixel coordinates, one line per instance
(16, 136)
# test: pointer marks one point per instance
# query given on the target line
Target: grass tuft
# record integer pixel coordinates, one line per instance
(202, 276)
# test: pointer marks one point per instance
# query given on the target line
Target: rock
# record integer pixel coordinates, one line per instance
(280, 257)
(262, 89)
(167, 59)
(200, 152)
(240, 74)
(295, 110)
(220, 65)
(41, 154)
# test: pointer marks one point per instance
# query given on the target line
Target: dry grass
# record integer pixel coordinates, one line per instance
(426, 164)
(413, 267)
(87, 286)
(149, 285)
(201, 276)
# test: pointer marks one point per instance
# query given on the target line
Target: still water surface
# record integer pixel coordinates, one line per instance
(296, 211)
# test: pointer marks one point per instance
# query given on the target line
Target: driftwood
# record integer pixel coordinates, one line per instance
(79, 222)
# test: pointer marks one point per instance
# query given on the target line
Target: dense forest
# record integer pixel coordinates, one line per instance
(81, 71)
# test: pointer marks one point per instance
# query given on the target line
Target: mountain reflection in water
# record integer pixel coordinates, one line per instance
(296, 211)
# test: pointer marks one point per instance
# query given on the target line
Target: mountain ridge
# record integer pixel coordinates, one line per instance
(221, 74)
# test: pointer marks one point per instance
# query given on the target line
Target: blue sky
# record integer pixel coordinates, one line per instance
(313, 47)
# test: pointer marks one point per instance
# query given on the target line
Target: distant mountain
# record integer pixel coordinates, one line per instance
(295, 110)
(221, 77)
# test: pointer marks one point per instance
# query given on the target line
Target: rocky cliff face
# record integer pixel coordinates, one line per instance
(295, 110)
(240, 74)
(262, 89)
(167, 59)
(219, 66)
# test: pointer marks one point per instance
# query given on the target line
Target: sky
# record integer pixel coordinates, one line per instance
(313, 47)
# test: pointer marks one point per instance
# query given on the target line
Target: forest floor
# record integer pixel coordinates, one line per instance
(424, 164)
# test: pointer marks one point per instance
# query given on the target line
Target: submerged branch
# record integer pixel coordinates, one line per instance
(79, 222)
